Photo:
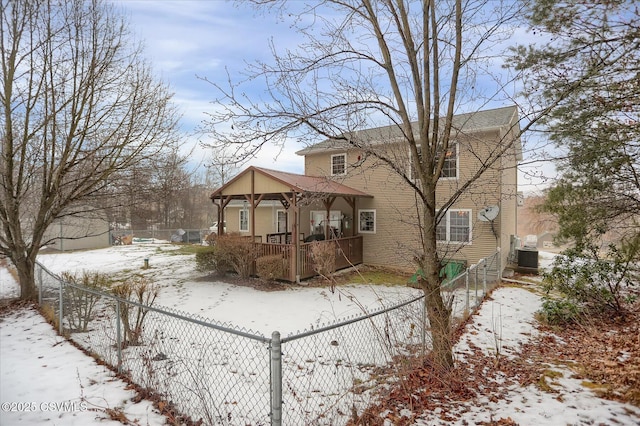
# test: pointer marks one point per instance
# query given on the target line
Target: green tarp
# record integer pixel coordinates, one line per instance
(449, 271)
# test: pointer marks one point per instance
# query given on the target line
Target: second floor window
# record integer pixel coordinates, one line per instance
(450, 166)
(338, 164)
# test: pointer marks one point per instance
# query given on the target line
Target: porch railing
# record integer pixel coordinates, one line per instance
(284, 250)
(348, 252)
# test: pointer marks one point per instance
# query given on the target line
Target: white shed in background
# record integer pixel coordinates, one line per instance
(85, 230)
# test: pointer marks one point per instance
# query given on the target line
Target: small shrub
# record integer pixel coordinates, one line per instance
(140, 290)
(595, 285)
(212, 259)
(323, 255)
(236, 251)
(559, 312)
(206, 259)
(270, 267)
(211, 239)
(80, 303)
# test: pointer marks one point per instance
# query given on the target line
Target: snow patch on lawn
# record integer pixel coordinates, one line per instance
(46, 380)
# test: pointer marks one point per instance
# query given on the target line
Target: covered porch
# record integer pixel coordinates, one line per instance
(348, 251)
(282, 235)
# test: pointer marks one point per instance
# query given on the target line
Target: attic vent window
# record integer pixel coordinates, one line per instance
(338, 164)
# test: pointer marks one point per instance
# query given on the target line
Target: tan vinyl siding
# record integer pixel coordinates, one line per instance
(239, 185)
(265, 220)
(232, 219)
(243, 183)
(509, 218)
(396, 240)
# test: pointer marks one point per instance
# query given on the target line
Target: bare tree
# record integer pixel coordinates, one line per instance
(405, 63)
(170, 181)
(80, 108)
(220, 167)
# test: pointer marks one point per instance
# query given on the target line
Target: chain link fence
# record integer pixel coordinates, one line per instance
(224, 375)
(176, 235)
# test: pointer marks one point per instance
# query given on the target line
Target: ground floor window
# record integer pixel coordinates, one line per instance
(281, 221)
(244, 220)
(319, 222)
(455, 226)
(367, 221)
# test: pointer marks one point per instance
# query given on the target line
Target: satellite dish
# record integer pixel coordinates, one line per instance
(488, 214)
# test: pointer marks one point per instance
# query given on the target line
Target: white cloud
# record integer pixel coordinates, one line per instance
(189, 39)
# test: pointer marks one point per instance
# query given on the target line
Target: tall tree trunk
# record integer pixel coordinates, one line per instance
(439, 315)
(25, 267)
(438, 312)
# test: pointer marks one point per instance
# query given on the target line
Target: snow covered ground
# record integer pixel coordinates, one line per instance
(503, 324)
(263, 312)
(46, 380)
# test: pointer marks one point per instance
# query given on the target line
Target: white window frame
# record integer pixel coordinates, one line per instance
(334, 219)
(447, 219)
(360, 222)
(456, 146)
(240, 228)
(284, 213)
(452, 145)
(344, 164)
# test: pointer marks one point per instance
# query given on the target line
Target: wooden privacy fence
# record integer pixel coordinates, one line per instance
(348, 252)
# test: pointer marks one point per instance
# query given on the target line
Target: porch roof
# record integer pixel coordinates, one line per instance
(272, 183)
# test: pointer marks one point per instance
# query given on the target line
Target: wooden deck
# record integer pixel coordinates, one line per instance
(348, 252)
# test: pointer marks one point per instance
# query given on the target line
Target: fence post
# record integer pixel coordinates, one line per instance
(118, 336)
(466, 283)
(39, 285)
(60, 285)
(276, 379)
(484, 278)
(475, 270)
(424, 326)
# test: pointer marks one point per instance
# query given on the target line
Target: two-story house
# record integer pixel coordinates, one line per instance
(365, 206)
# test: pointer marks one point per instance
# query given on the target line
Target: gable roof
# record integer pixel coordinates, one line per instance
(498, 118)
(290, 182)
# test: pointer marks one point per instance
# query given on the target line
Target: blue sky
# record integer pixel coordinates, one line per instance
(186, 40)
(189, 40)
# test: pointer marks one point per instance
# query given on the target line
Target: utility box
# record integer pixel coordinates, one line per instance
(528, 261)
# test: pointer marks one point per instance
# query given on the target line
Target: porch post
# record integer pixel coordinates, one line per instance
(253, 207)
(286, 227)
(351, 201)
(221, 218)
(295, 264)
(354, 223)
(328, 202)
